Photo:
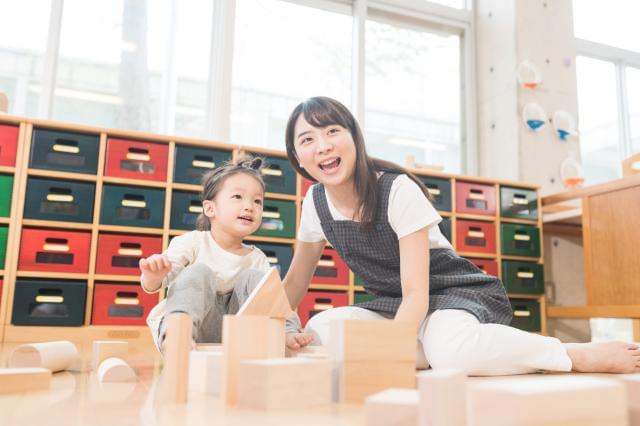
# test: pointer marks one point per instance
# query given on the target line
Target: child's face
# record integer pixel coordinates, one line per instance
(237, 208)
(328, 154)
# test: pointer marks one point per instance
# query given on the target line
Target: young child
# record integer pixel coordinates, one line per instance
(209, 271)
(378, 217)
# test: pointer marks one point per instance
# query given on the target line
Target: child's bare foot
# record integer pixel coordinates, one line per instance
(604, 357)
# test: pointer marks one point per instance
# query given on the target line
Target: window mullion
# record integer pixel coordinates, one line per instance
(50, 66)
(623, 111)
(358, 60)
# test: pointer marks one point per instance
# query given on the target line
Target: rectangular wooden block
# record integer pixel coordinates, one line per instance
(357, 380)
(103, 349)
(247, 337)
(392, 407)
(175, 373)
(205, 372)
(632, 382)
(284, 383)
(372, 340)
(19, 380)
(555, 400)
(442, 394)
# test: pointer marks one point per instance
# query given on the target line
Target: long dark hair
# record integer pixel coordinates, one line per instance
(212, 181)
(322, 112)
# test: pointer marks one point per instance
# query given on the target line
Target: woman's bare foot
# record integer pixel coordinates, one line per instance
(604, 357)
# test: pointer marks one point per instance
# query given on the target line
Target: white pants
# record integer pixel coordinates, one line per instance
(452, 338)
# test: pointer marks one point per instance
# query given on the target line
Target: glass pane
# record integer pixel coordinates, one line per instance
(598, 120)
(110, 64)
(23, 40)
(633, 96)
(412, 95)
(458, 4)
(283, 54)
(612, 22)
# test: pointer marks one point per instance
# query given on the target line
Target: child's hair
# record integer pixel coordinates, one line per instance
(322, 112)
(212, 181)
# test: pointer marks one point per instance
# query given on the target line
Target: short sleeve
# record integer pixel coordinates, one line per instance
(310, 229)
(409, 209)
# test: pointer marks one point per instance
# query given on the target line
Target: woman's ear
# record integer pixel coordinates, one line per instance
(209, 208)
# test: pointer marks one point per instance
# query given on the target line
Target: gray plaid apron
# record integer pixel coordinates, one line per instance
(374, 255)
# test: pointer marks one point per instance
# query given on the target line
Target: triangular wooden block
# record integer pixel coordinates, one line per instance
(268, 298)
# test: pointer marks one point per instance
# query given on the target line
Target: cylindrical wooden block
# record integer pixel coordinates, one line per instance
(115, 370)
(56, 356)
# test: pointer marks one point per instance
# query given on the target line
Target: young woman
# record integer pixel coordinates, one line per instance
(379, 219)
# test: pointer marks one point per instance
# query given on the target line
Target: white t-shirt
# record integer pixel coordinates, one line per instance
(409, 211)
(200, 247)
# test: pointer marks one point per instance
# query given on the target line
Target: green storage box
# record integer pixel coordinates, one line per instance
(185, 209)
(51, 199)
(279, 255)
(49, 302)
(523, 277)
(4, 233)
(64, 151)
(360, 297)
(440, 190)
(132, 206)
(518, 203)
(520, 240)
(278, 219)
(279, 176)
(191, 163)
(6, 189)
(526, 314)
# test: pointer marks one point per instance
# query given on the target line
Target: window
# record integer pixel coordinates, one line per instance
(598, 121)
(612, 22)
(412, 94)
(22, 49)
(633, 90)
(283, 54)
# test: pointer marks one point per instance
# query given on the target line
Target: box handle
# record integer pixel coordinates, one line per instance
(49, 295)
(476, 194)
(326, 261)
(138, 154)
(67, 146)
(127, 298)
(521, 236)
(322, 303)
(203, 162)
(433, 189)
(525, 274)
(195, 207)
(134, 200)
(475, 232)
(130, 249)
(60, 195)
(272, 170)
(520, 313)
(520, 199)
(56, 244)
(271, 213)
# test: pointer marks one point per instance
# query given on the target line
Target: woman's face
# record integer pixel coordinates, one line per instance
(328, 154)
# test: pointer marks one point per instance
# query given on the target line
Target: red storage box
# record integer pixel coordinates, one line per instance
(306, 184)
(318, 301)
(475, 236)
(136, 160)
(8, 145)
(120, 254)
(121, 304)
(54, 251)
(331, 269)
(475, 198)
(489, 267)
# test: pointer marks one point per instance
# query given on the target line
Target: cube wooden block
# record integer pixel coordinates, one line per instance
(356, 380)
(19, 380)
(56, 356)
(175, 373)
(392, 407)
(372, 340)
(284, 383)
(555, 400)
(205, 371)
(443, 398)
(247, 337)
(103, 349)
(632, 382)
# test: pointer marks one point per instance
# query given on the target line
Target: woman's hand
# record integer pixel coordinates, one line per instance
(154, 268)
(298, 340)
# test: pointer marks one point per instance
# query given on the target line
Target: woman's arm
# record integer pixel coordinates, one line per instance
(303, 265)
(414, 276)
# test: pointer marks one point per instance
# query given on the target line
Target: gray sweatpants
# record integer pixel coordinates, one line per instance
(194, 292)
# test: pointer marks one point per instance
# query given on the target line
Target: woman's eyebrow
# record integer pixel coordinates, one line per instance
(303, 133)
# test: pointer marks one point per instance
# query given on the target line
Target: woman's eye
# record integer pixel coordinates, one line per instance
(332, 131)
(305, 140)
(236, 196)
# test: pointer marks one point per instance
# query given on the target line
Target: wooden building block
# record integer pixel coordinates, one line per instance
(372, 340)
(284, 383)
(175, 373)
(115, 370)
(247, 337)
(632, 382)
(312, 351)
(56, 356)
(392, 407)
(549, 400)
(19, 380)
(268, 298)
(443, 398)
(205, 371)
(103, 349)
(356, 380)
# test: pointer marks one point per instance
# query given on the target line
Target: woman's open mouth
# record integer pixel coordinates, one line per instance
(329, 166)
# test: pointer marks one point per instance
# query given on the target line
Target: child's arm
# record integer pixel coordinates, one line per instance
(304, 262)
(414, 277)
(154, 268)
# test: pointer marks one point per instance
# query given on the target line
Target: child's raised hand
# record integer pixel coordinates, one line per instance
(298, 340)
(155, 267)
